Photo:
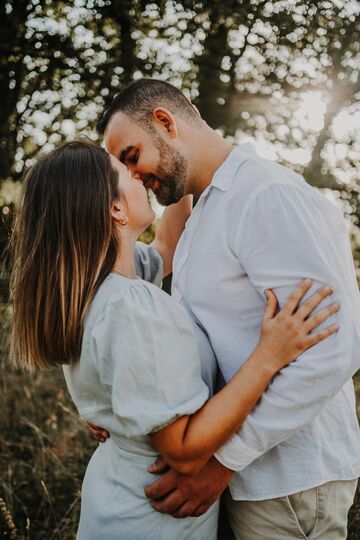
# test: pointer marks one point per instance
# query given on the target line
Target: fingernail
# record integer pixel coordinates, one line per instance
(308, 281)
(329, 289)
(326, 289)
(337, 305)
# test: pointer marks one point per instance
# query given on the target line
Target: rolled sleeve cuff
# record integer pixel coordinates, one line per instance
(235, 455)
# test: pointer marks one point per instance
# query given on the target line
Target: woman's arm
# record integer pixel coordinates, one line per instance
(189, 442)
(169, 230)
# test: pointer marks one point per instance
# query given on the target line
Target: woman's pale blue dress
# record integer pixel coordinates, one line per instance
(143, 364)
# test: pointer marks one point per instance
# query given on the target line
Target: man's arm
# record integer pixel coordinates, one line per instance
(286, 236)
(169, 230)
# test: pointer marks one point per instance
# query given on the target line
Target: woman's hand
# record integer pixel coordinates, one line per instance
(287, 334)
(98, 433)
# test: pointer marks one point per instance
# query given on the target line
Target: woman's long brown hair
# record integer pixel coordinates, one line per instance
(63, 247)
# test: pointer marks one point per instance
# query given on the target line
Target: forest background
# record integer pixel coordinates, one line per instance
(283, 75)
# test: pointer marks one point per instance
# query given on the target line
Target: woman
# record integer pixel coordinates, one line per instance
(135, 364)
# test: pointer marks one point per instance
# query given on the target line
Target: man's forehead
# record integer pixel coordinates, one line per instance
(121, 134)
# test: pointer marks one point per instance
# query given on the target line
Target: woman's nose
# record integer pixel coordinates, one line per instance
(137, 176)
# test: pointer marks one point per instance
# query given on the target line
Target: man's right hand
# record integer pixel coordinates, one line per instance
(183, 496)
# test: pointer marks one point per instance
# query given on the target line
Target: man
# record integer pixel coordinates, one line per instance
(293, 466)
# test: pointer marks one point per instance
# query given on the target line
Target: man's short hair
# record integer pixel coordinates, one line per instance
(141, 97)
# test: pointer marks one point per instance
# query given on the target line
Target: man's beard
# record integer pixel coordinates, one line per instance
(171, 173)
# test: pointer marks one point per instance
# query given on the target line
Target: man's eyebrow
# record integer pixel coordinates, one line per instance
(124, 153)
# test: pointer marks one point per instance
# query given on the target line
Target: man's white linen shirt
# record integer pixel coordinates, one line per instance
(258, 225)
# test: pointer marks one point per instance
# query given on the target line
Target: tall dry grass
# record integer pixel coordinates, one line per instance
(44, 449)
(44, 452)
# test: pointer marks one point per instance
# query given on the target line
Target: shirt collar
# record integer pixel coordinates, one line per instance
(225, 174)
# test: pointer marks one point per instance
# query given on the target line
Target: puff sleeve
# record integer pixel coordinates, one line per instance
(148, 358)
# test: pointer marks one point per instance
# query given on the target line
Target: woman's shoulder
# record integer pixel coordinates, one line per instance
(127, 299)
(120, 289)
(135, 312)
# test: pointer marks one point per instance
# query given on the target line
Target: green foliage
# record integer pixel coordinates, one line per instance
(284, 74)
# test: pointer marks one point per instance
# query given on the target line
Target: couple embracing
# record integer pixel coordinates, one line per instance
(264, 293)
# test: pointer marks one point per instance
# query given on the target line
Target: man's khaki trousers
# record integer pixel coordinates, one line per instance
(317, 514)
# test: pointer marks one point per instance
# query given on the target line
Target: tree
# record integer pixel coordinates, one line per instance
(247, 66)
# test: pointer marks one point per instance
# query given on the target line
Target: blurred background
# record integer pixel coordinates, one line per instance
(283, 75)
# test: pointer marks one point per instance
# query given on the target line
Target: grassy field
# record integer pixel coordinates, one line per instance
(44, 452)
(44, 449)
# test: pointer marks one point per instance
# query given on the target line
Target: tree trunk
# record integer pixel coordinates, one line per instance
(11, 76)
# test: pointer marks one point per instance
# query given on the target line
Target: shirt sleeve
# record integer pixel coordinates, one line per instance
(287, 235)
(149, 263)
(148, 358)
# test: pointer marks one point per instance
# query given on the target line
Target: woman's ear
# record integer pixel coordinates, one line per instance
(119, 213)
(163, 119)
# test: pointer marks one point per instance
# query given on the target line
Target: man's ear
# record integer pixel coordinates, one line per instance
(164, 119)
(119, 212)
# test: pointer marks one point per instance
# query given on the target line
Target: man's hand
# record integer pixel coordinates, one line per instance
(98, 433)
(183, 496)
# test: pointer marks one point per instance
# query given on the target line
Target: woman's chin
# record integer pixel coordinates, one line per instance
(148, 222)
(152, 217)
